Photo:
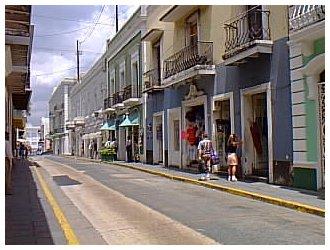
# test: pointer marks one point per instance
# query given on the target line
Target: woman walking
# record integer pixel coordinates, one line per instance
(232, 159)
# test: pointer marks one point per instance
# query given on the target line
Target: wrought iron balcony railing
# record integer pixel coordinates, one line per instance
(152, 78)
(117, 97)
(108, 102)
(200, 53)
(130, 91)
(247, 27)
(303, 15)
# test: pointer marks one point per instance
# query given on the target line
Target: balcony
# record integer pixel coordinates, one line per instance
(301, 16)
(152, 81)
(130, 95)
(79, 121)
(107, 105)
(117, 101)
(247, 36)
(192, 60)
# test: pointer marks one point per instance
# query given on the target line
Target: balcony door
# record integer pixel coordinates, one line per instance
(156, 60)
(192, 29)
(255, 21)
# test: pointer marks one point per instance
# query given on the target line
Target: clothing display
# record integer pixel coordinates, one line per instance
(192, 152)
(256, 137)
(191, 135)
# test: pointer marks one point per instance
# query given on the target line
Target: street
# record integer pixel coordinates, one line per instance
(131, 207)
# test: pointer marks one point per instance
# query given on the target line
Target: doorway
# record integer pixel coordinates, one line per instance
(222, 118)
(256, 127)
(158, 142)
(174, 141)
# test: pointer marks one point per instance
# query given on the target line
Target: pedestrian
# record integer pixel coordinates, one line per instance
(95, 149)
(21, 150)
(232, 160)
(205, 151)
(129, 149)
(26, 151)
(90, 147)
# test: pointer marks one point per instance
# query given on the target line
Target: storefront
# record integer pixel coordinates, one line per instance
(194, 115)
(130, 128)
(256, 120)
(223, 123)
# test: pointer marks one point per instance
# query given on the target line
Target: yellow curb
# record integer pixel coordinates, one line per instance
(272, 200)
(64, 224)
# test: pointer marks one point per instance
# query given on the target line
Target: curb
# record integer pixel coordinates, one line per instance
(255, 196)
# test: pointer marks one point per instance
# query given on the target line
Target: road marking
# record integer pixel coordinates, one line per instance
(235, 191)
(64, 224)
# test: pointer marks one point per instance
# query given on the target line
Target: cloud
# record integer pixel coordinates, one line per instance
(52, 56)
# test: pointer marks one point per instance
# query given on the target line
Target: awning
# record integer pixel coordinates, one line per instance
(108, 126)
(130, 120)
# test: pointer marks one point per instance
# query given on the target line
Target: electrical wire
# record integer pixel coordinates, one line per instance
(73, 20)
(55, 72)
(93, 26)
(62, 33)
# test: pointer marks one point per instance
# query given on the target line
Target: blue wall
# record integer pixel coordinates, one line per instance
(272, 68)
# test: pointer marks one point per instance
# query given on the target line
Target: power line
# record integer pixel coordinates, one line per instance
(68, 50)
(72, 20)
(62, 33)
(55, 72)
(93, 28)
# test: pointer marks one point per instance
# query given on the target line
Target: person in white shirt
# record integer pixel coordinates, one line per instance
(205, 150)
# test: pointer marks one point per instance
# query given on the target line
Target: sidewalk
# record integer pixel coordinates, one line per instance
(299, 199)
(26, 221)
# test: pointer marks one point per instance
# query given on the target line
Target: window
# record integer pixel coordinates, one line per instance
(176, 135)
(192, 29)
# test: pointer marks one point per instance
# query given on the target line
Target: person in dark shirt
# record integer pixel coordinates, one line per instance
(232, 159)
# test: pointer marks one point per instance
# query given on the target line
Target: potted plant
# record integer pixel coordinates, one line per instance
(105, 154)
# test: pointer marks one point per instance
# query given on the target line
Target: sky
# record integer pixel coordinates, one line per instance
(56, 31)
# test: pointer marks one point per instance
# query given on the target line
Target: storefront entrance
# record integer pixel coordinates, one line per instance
(194, 124)
(174, 141)
(221, 116)
(158, 142)
(257, 131)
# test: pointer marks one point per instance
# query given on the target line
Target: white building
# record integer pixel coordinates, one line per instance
(44, 134)
(32, 136)
(59, 115)
(86, 104)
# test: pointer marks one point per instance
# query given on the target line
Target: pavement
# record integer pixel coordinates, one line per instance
(30, 216)
(307, 201)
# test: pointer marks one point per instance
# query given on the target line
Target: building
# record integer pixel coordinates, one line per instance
(45, 141)
(219, 79)
(59, 115)
(32, 137)
(307, 67)
(86, 103)
(123, 104)
(18, 46)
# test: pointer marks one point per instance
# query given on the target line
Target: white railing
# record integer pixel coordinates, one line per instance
(303, 15)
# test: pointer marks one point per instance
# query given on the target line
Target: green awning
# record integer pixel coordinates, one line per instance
(130, 120)
(108, 126)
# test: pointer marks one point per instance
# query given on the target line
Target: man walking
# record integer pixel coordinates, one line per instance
(205, 150)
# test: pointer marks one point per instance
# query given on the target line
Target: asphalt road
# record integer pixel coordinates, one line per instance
(225, 218)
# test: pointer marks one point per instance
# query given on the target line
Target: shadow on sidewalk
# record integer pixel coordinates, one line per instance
(26, 223)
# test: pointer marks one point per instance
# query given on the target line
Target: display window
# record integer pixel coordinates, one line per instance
(195, 125)
(222, 128)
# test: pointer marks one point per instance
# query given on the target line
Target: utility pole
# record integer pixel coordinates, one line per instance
(78, 61)
(116, 18)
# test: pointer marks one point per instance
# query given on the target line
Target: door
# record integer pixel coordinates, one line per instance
(259, 133)
(174, 141)
(255, 21)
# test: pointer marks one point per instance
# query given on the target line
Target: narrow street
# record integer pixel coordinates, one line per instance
(131, 207)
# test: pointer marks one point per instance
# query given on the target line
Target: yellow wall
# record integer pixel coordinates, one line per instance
(211, 27)
(278, 21)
